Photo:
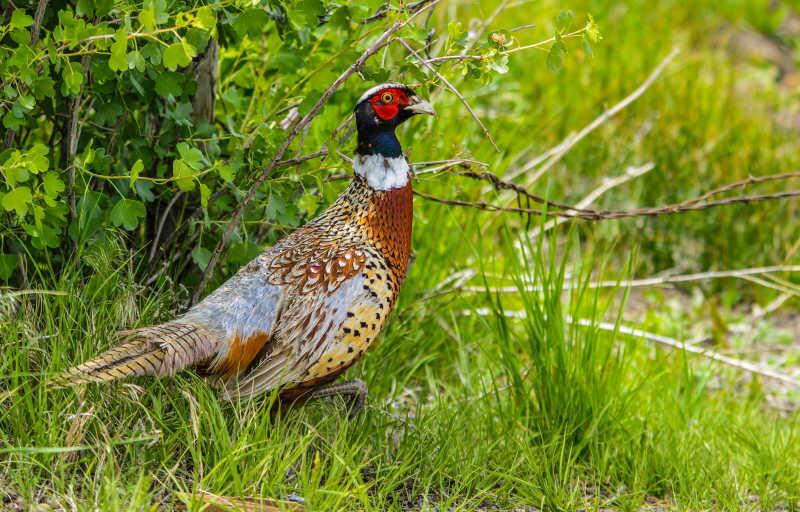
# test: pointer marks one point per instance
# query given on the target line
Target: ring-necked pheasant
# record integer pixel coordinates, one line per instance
(306, 309)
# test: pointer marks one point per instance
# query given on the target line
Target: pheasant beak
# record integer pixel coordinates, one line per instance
(418, 106)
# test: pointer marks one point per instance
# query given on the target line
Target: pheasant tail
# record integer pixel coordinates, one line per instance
(159, 350)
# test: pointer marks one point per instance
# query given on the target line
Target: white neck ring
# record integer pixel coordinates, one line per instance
(382, 173)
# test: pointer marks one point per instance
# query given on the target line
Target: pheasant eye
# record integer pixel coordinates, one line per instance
(387, 98)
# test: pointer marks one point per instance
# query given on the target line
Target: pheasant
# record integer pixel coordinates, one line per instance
(303, 311)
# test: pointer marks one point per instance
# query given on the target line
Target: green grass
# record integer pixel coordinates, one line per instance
(469, 405)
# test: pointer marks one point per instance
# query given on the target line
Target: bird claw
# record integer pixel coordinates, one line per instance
(355, 389)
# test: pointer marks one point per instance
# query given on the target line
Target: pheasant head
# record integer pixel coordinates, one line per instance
(378, 113)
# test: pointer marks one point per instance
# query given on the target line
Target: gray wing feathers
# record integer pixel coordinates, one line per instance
(245, 304)
(308, 324)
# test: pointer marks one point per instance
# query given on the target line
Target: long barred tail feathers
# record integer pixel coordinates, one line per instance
(159, 350)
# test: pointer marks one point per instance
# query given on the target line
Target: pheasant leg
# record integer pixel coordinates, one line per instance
(355, 390)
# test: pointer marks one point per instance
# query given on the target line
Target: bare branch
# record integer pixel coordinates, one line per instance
(37, 21)
(540, 44)
(608, 184)
(154, 247)
(598, 215)
(650, 281)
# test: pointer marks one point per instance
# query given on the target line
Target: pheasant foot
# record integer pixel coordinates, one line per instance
(355, 390)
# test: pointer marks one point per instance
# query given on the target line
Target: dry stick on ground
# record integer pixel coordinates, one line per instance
(382, 41)
(773, 306)
(555, 154)
(453, 89)
(662, 340)
(772, 284)
(687, 347)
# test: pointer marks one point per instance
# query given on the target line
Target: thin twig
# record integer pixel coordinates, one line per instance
(382, 41)
(540, 44)
(555, 154)
(681, 345)
(453, 89)
(161, 222)
(69, 145)
(488, 21)
(650, 281)
(383, 10)
(608, 184)
(598, 215)
(773, 306)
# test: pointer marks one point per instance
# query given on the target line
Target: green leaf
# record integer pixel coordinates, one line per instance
(192, 156)
(169, 83)
(26, 102)
(184, 177)
(251, 22)
(147, 17)
(205, 193)
(159, 7)
(11, 121)
(37, 158)
(127, 212)
(151, 52)
(8, 262)
(587, 46)
(136, 61)
(555, 58)
(179, 55)
(564, 20)
(205, 18)
(108, 113)
(18, 200)
(53, 185)
(43, 86)
(73, 78)
(201, 256)
(226, 172)
(89, 217)
(20, 20)
(499, 65)
(592, 30)
(144, 189)
(137, 167)
(119, 52)
(308, 203)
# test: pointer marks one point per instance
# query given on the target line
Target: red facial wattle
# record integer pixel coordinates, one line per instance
(385, 112)
(387, 103)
